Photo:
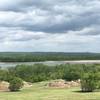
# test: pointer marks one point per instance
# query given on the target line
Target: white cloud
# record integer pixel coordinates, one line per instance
(49, 25)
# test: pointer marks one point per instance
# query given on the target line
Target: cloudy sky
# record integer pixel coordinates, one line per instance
(50, 25)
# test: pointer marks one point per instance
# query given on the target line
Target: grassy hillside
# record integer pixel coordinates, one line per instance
(41, 92)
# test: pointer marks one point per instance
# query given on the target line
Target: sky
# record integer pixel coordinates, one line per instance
(50, 25)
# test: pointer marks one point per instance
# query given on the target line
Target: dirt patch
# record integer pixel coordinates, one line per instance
(27, 84)
(4, 86)
(64, 84)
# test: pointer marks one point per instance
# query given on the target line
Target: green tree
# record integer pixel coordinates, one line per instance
(89, 82)
(15, 84)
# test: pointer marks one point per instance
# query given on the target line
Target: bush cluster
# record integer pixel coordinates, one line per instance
(90, 80)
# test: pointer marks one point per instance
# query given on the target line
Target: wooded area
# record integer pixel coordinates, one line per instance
(46, 56)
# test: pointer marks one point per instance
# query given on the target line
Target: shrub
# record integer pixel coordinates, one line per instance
(15, 84)
(89, 82)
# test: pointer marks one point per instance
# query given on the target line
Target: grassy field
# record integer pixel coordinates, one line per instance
(39, 91)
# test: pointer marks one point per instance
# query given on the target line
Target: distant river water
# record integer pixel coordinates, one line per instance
(51, 63)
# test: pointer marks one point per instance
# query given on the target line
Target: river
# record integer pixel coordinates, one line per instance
(51, 63)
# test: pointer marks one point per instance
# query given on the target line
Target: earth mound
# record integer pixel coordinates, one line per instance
(64, 84)
(4, 86)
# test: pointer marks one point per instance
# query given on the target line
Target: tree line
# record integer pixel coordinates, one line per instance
(46, 56)
(88, 73)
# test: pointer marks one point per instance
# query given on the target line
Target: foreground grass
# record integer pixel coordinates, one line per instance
(39, 91)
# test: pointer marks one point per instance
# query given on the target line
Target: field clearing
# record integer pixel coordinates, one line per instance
(39, 91)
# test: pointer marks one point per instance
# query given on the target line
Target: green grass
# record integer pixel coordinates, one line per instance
(41, 92)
